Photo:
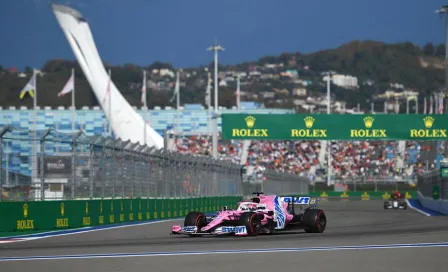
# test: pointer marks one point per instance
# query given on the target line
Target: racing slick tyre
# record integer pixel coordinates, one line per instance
(405, 205)
(252, 222)
(196, 219)
(386, 205)
(314, 221)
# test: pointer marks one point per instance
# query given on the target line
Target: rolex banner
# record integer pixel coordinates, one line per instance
(335, 126)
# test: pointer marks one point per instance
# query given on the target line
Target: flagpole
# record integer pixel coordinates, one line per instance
(178, 102)
(73, 102)
(209, 102)
(238, 94)
(35, 134)
(145, 105)
(110, 103)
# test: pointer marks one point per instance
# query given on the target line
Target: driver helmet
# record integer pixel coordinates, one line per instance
(251, 207)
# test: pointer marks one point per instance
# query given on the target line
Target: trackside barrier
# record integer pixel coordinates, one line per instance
(358, 195)
(52, 215)
(433, 190)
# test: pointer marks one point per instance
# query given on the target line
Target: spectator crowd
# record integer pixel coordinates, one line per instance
(349, 159)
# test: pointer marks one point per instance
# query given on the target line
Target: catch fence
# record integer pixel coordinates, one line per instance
(49, 165)
(431, 184)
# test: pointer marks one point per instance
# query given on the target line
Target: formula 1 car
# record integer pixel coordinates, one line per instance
(396, 201)
(264, 214)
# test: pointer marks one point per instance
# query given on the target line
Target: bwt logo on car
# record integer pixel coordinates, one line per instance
(189, 229)
(228, 229)
(304, 200)
(240, 230)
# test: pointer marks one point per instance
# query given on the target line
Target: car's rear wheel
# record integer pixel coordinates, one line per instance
(197, 219)
(252, 222)
(315, 221)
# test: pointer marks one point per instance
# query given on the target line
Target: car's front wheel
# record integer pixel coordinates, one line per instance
(252, 222)
(196, 219)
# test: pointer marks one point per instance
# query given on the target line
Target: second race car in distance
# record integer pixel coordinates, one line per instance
(396, 201)
(264, 214)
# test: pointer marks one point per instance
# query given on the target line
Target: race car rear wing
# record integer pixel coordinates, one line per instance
(299, 202)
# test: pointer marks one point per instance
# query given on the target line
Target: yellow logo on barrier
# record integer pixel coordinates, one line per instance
(368, 132)
(309, 122)
(324, 195)
(365, 196)
(249, 132)
(25, 210)
(86, 219)
(368, 121)
(250, 121)
(408, 195)
(62, 222)
(428, 121)
(386, 196)
(344, 195)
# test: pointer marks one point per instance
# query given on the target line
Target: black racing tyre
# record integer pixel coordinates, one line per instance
(405, 205)
(196, 219)
(315, 221)
(252, 222)
(386, 204)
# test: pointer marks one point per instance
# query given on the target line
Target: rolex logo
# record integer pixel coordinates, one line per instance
(250, 132)
(250, 121)
(309, 121)
(428, 120)
(368, 121)
(25, 210)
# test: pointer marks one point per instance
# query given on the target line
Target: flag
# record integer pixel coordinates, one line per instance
(30, 87)
(424, 105)
(69, 86)
(440, 110)
(430, 105)
(143, 99)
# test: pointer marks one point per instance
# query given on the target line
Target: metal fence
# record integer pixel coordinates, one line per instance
(431, 181)
(53, 165)
(44, 165)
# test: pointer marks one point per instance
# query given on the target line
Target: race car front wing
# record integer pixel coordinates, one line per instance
(193, 230)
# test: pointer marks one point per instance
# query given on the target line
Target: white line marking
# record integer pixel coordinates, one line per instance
(215, 252)
(86, 231)
(415, 209)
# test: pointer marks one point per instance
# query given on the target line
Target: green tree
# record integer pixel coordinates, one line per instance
(429, 49)
(440, 50)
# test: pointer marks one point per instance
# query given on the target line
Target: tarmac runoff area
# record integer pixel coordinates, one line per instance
(360, 235)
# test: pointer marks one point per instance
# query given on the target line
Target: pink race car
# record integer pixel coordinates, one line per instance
(264, 214)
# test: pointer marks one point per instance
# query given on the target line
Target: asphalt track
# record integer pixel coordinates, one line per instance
(355, 223)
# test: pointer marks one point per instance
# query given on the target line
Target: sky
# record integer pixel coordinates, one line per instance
(180, 31)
